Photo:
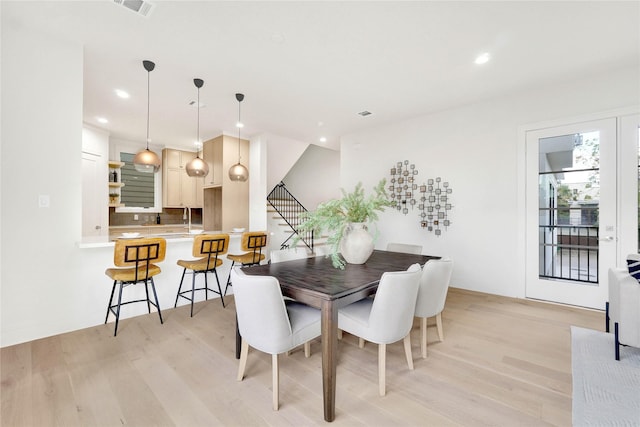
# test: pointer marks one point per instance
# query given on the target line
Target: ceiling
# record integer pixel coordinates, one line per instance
(308, 68)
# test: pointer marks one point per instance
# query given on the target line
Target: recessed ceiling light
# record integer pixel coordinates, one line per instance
(323, 139)
(239, 125)
(102, 120)
(483, 58)
(122, 94)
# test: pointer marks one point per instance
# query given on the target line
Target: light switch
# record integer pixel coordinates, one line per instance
(43, 201)
(135, 217)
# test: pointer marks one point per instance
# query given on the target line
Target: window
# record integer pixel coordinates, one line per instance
(142, 192)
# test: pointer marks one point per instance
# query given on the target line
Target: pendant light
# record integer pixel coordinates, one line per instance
(146, 160)
(198, 167)
(238, 172)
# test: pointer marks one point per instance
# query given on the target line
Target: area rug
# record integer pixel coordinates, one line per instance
(606, 392)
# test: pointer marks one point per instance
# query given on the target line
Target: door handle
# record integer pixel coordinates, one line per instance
(607, 239)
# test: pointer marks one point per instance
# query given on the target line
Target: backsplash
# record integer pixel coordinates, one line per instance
(167, 216)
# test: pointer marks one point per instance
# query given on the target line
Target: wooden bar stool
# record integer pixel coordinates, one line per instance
(207, 248)
(136, 257)
(252, 243)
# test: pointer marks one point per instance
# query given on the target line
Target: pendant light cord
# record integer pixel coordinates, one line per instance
(148, 103)
(198, 127)
(239, 128)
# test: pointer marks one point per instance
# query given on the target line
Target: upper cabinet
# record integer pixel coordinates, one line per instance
(179, 190)
(226, 203)
(212, 154)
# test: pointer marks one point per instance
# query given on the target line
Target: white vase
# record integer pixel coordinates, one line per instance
(357, 244)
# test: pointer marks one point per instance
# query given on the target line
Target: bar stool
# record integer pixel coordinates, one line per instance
(135, 256)
(207, 248)
(252, 243)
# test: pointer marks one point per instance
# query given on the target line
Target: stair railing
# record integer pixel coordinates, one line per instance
(289, 208)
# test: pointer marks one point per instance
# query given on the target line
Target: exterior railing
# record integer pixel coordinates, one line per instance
(569, 252)
(289, 208)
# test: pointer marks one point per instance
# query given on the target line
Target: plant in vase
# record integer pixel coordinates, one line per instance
(347, 216)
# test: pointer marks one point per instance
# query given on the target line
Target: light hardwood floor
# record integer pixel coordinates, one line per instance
(503, 362)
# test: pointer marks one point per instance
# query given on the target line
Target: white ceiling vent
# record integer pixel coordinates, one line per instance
(140, 7)
(365, 113)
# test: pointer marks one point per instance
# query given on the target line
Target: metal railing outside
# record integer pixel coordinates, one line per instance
(569, 252)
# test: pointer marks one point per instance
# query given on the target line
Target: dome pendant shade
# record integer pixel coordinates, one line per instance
(238, 173)
(146, 160)
(197, 168)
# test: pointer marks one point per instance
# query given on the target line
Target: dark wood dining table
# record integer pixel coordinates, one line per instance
(314, 281)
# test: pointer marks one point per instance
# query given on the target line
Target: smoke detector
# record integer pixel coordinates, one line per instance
(141, 7)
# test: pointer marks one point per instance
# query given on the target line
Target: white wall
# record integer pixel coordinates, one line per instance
(475, 148)
(315, 178)
(41, 155)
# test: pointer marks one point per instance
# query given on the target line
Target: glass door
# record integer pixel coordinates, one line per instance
(571, 212)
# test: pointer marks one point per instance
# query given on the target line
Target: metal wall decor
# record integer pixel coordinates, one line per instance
(434, 204)
(403, 186)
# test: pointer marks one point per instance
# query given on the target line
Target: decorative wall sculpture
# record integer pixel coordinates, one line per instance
(434, 204)
(403, 186)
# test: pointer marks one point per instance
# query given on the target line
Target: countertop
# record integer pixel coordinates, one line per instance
(171, 237)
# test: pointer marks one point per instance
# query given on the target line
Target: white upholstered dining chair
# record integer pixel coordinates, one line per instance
(434, 284)
(268, 324)
(387, 317)
(405, 248)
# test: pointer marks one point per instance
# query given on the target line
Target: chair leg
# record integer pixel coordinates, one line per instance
(229, 278)
(617, 340)
(439, 325)
(155, 295)
(193, 290)
(307, 349)
(179, 288)
(146, 291)
(243, 359)
(276, 380)
(606, 317)
(206, 286)
(215, 272)
(113, 289)
(423, 338)
(382, 363)
(115, 331)
(407, 350)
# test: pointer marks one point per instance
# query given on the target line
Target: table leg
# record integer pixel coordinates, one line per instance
(329, 358)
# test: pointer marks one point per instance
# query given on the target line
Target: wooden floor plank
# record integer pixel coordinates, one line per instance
(503, 362)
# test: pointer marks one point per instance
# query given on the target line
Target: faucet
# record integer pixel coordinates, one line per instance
(184, 217)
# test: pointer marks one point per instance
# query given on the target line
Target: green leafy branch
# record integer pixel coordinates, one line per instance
(334, 215)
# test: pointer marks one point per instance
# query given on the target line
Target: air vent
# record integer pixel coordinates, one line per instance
(365, 113)
(140, 7)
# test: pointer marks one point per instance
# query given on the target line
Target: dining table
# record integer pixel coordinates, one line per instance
(316, 282)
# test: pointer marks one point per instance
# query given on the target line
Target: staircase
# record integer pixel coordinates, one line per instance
(284, 217)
